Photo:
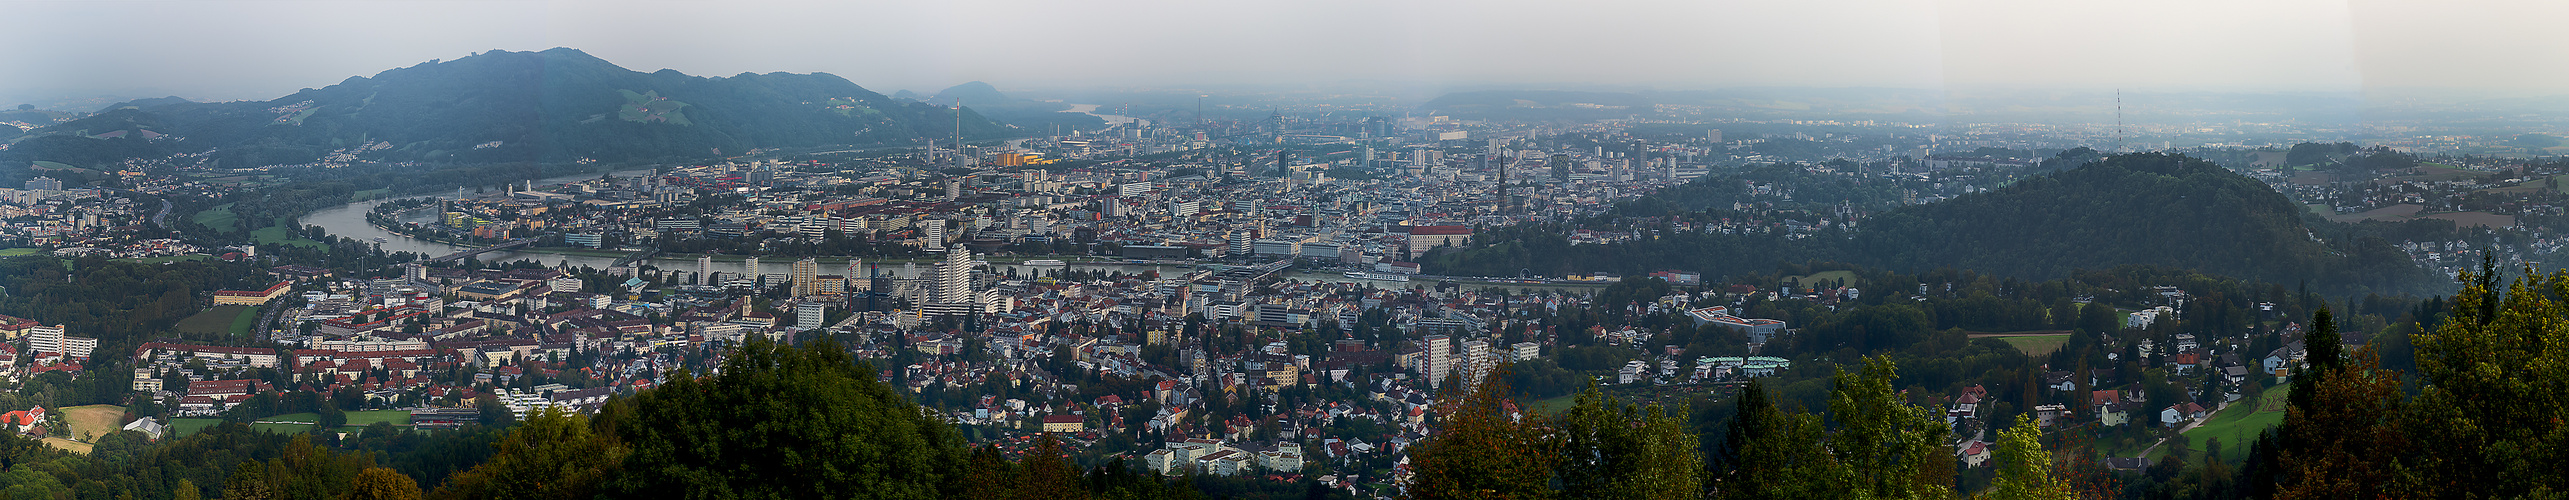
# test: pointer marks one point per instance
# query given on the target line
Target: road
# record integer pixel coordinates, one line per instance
(267, 319)
(161, 220)
(2207, 417)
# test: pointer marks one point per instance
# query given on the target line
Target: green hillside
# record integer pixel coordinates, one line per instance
(550, 106)
(2141, 209)
(2167, 211)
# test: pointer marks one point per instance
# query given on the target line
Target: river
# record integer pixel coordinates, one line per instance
(349, 220)
(1091, 110)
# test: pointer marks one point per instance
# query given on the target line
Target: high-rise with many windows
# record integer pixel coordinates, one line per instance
(1440, 359)
(807, 274)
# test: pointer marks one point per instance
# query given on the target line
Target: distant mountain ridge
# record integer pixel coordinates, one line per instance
(1031, 115)
(971, 93)
(554, 105)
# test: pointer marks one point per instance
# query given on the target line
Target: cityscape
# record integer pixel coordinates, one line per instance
(543, 274)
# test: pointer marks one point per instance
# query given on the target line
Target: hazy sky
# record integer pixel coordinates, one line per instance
(264, 49)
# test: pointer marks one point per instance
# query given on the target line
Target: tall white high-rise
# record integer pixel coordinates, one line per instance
(954, 278)
(932, 233)
(749, 269)
(45, 338)
(1476, 355)
(1440, 359)
(705, 270)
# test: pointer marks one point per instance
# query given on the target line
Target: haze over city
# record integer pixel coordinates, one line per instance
(1180, 250)
(260, 50)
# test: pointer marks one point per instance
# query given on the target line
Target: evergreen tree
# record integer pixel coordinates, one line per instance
(2327, 349)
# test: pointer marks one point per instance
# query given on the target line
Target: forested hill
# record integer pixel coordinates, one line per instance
(2141, 209)
(555, 105)
(2148, 209)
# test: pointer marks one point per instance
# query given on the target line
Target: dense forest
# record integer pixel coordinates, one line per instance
(121, 303)
(2139, 209)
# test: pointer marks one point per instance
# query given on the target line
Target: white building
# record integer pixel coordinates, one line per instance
(51, 339)
(1439, 360)
(809, 315)
(1527, 351)
(1633, 371)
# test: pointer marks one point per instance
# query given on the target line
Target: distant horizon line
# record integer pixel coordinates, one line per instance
(11, 99)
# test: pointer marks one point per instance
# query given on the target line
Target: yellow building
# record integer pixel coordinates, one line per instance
(1064, 423)
(1020, 159)
(250, 297)
(13, 327)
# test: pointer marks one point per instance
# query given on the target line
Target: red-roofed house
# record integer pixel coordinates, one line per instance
(25, 420)
(14, 327)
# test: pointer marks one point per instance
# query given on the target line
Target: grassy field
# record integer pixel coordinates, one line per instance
(305, 422)
(1554, 405)
(220, 217)
(185, 426)
(1824, 277)
(242, 322)
(369, 194)
(69, 445)
(2237, 426)
(14, 252)
(89, 422)
(361, 419)
(279, 234)
(650, 106)
(235, 320)
(2037, 345)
